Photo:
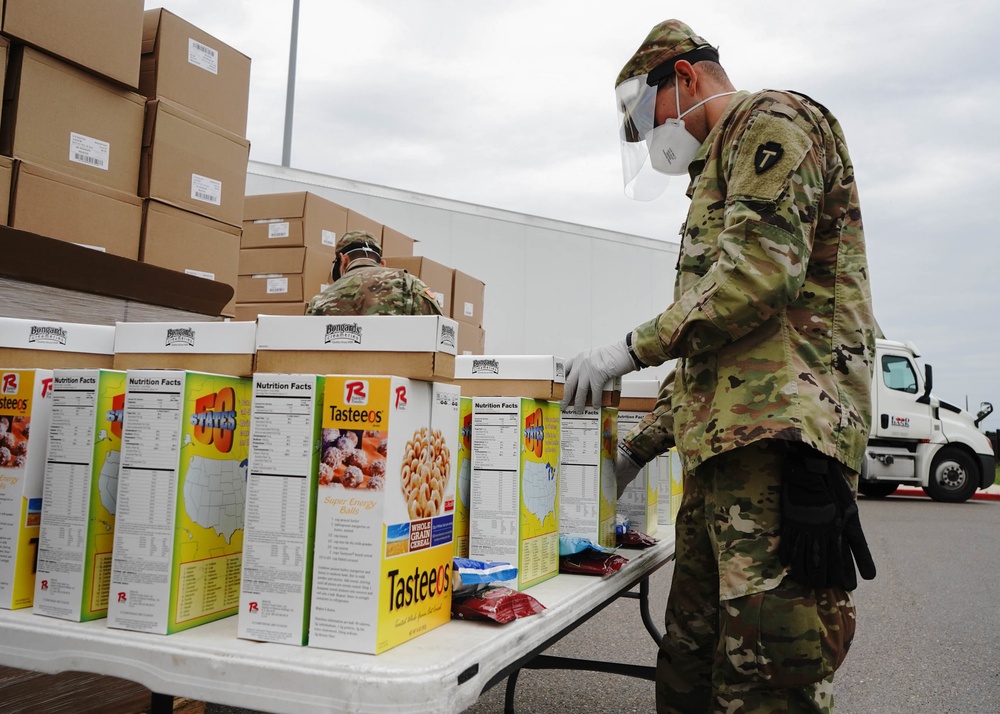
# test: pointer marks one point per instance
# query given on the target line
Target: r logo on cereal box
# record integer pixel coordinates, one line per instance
(356, 392)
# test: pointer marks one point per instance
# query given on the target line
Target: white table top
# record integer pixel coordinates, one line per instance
(210, 663)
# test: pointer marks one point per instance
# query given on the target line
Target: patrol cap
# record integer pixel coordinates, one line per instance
(666, 43)
(357, 240)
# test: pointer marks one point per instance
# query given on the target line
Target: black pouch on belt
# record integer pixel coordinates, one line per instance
(821, 536)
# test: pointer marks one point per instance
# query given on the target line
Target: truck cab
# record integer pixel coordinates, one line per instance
(919, 440)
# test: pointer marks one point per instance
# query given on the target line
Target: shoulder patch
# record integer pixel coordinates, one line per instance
(770, 150)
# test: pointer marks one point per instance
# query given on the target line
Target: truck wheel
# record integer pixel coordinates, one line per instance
(877, 489)
(953, 477)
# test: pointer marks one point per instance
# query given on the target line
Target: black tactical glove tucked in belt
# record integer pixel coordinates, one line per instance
(820, 528)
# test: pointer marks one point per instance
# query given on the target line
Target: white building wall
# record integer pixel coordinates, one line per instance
(552, 287)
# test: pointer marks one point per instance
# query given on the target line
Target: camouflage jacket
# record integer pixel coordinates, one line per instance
(375, 290)
(772, 322)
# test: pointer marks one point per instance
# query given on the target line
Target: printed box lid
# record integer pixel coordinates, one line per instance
(357, 333)
(18, 333)
(185, 337)
(517, 367)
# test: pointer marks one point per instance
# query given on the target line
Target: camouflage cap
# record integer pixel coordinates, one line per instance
(358, 239)
(667, 41)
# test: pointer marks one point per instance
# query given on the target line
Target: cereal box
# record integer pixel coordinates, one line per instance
(280, 518)
(671, 485)
(515, 486)
(640, 501)
(588, 490)
(384, 516)
(80, 494)
(25, 409)
(181, 496)
(463, 478)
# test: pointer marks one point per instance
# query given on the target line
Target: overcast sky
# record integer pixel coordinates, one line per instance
(511, 105)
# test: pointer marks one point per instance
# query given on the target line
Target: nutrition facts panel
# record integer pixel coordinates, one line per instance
(67, 473)
(497, 442)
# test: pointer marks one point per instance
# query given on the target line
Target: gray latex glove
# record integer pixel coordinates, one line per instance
(626, 469)
(589, 371)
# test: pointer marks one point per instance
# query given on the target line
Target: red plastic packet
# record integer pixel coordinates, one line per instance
(497, 603)
(636, 539)
(591, 563)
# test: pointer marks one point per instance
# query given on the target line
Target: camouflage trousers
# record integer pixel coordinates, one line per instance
(740, 637)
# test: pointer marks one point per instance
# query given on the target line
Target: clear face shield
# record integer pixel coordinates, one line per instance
(636, 113)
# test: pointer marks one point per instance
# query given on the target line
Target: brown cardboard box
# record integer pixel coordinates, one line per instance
(250, 310)
(467, 300)
(60, 117)
(192, 68)
(437, 276)
(311, 267)
(4, 56)
(275, 220)
(359, 222)
(104, 37)
(192, 244)
(471, 339)
(396, 244)
(6, 180)
(192, 164)
(64, 207)
(270, 287)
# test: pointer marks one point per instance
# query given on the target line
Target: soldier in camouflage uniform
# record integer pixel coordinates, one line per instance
(769, 401)
(364, 286)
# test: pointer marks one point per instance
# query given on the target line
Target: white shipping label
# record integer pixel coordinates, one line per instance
(439, 297)
(329, 238)
(206, 189)
(278, 230)
(203, 56)
(89, 151)
(469, 309)
(200, 273)
(277, 285)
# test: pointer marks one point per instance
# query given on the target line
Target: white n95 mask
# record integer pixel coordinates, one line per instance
(671, 146)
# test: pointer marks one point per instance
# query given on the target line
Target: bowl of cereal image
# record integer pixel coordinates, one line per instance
(424, 473)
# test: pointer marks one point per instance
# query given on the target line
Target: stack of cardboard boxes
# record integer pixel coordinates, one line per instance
(124, 131)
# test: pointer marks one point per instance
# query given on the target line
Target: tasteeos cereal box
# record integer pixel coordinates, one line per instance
(515, 486)
(25, 409)
(181, 497)
(463, 477)
(80, 494)
(588, 490)
(640, 501)
(280, 517)
(384, 516)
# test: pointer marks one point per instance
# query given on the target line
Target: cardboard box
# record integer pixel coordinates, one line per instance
(413, 346)
(219, 347)
(515, 486)
(280, 519)
(471, 340)
(277, 272)
(181, 496)
(251, 310)
(4, 56)
(104, 37)
(535, 376)
(467, 299)
(25, 410)
(641, 499)
(192, 68)
(6, 183)
(588, 489)
(271, 287)
(67, 208)
(463, 478)
(437, 276)
(193, 164)
(80, 494)
(192, 244)
(382, 566)
(60, 117)
(276, 220)
(396, 244)
(49, 345)
(358, 222)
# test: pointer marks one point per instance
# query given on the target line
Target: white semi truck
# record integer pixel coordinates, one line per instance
(919, 440)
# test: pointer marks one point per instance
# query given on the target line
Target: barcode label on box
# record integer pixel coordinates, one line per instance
(206, 189)
(469, 309)
(278, 230)
(89, 151)
(277, 285)
(200, 273)
(329, 238)
(439, 297)
(203, 56)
